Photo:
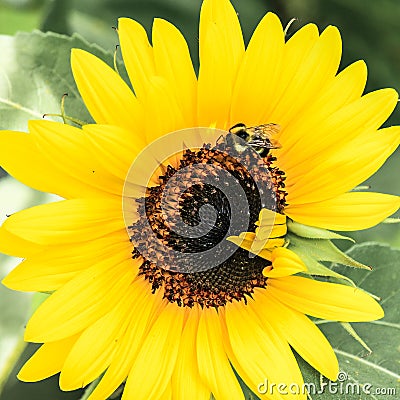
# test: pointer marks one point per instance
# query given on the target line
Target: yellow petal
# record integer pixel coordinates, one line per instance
(221, 51)
(246, 244)
(13, 245)
(351, 164)
(162, 113)
(259, 353)
(173, 63)
(284, 262)
(67, 147)
(82, 367)
(145, 308)
(247, 236)
(350, 211)
(214, 367)
(53, 267)
(301, 333)
(106, 95)
(268, 237)
(310, 76)
(82, 301)
(167, 395)
(17, 150)
(264, 232)
(296, 51)
(137, 53)
(345, 88)
(157, 356)
(260, 245)
(115, 148)
(269, 217)
(67, 221)
(47, 361)
(325, 300)
(365, 114)
(262, 64)
(186, 379)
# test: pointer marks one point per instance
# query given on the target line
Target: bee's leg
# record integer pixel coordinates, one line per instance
(263, 152)
(220, 140)
(220, 143)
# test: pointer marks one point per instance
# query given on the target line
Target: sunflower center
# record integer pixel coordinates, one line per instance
(212, 193)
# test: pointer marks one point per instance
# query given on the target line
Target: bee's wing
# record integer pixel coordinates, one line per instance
(261, 143)
(269, 129)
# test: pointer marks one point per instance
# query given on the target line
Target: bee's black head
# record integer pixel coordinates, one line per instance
(238, 127)
(240, 130)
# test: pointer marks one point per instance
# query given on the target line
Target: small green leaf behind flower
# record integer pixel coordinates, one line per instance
(314, 245)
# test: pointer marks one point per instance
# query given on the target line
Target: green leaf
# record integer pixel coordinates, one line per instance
(352, 332)
(37, 74)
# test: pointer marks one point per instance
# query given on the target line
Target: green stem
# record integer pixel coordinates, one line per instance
(90, 389)
(10, 363)
(66, 118)
(63, 107)
(115, 60)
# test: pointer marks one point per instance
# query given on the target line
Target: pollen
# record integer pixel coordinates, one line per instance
(195, 217)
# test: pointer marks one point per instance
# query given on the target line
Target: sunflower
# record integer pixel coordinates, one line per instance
(171, 331)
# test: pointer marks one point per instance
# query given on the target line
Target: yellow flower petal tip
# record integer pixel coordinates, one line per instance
(284, 263)
(76, 53)
(9, 282)
(80, 58)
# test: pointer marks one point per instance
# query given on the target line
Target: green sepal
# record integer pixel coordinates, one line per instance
(311, 232)
(314, 245)
(316, 268)
(321, 250)
(351, 331)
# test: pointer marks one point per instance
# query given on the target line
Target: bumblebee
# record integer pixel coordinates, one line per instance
(258, 137)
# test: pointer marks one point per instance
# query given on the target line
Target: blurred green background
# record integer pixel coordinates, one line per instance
(370, 31)
(370, 28)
